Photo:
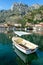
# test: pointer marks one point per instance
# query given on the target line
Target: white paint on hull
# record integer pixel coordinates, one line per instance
(30, 45)
(23, 50)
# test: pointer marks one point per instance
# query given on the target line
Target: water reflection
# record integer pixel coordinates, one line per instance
(9, 57)
(23, 59)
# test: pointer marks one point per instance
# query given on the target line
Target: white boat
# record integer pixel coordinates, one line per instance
(20, 33)
(24, 45)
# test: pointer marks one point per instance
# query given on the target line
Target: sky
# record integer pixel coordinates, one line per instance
(6, 4)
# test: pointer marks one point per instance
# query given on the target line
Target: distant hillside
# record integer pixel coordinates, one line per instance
(20, 12)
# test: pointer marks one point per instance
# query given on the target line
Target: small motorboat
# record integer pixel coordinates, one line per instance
(23, 45)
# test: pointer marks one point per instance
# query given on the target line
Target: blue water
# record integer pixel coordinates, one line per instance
(10, 56)
(7, 55)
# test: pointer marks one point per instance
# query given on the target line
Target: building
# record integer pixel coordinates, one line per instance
(6, 27)
(3, 28)
(38, 27)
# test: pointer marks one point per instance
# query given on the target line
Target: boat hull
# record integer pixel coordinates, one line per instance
(24, 45)
(23, 50)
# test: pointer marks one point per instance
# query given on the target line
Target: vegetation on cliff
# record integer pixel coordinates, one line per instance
(22, 13)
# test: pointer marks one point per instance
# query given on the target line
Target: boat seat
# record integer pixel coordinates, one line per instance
(19, 40)
(24, 46)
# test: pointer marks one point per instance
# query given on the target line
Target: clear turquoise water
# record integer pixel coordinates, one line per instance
(10, 56)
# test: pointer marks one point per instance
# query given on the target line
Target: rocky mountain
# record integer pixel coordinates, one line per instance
(36, 6)
(20, 12)
(23, 8)
(20, 8)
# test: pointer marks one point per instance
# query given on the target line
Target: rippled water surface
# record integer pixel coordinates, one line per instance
(10, 56)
